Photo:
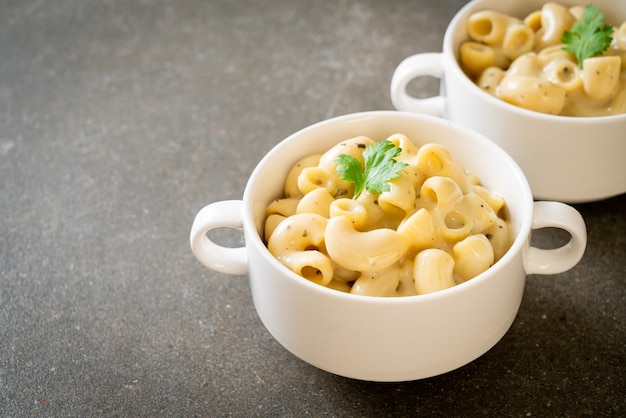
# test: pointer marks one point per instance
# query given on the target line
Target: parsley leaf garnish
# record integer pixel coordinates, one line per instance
(380, 167)
(589, 37)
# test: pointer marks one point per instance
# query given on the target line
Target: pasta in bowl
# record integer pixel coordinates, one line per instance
(564, 157)
(352, 335)
(433, 226)
(557, 59)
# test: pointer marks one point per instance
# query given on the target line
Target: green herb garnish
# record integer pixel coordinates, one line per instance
(589, 37)
(380, 167)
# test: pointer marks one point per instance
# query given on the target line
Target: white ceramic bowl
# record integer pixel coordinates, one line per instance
(570, 159)
(387, 339)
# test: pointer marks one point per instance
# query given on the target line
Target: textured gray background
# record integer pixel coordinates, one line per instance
(119, 120)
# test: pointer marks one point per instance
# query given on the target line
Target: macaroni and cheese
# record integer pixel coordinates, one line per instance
(436, 226)
(522, 62)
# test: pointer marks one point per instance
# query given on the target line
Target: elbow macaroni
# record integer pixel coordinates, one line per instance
(434, 228)
(521, 61)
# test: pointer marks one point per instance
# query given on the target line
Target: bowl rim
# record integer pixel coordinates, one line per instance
(519, 242)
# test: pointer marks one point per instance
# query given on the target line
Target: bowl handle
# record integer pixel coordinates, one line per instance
(224, 214)
(557, 260)
(415, 66)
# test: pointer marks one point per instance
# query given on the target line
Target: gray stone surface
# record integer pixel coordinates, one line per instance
(119, 120)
